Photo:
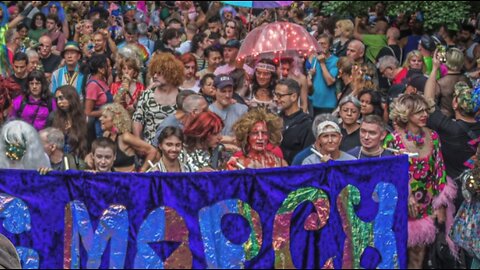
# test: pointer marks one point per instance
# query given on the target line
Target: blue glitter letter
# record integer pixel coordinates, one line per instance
(163, 224)
(219, 251)
(113, 225)
(383, 235)
(17, 220)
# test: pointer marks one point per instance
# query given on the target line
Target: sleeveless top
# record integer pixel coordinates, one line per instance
(122, 159)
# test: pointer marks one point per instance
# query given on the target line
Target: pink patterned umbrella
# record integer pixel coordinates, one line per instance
(278, 39)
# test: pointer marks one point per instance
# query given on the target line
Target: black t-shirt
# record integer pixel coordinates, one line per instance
(51, 63)
(297, 134)
(454, 140)
(350, 141)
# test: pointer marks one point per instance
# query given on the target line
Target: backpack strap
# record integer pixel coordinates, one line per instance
(22, 107)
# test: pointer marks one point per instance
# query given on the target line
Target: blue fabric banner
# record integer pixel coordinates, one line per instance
(337, 215)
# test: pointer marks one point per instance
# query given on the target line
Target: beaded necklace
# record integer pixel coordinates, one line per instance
(419, 139)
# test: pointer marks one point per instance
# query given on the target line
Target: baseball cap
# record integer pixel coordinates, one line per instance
(222, 81)
(232, 43)
(327, 127)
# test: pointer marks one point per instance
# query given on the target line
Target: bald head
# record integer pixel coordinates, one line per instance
(195, 104)
(393, 33)
(45, 46)
(355, 50)
(380, 27)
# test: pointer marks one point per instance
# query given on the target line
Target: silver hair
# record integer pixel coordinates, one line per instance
(31, 53)
(54, 136)
(387, 61)
(18, 131)
(322, 118)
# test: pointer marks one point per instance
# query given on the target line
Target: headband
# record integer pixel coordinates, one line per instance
(266, 66)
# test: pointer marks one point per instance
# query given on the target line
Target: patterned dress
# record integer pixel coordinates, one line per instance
(427, 171)
(150, 114)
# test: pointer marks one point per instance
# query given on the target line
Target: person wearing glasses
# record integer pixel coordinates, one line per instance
(258, 132)
(297, 133)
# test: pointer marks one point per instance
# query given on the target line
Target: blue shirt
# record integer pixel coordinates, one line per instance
(324, 96)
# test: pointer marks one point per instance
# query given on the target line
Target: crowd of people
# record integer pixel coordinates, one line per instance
(137, 86)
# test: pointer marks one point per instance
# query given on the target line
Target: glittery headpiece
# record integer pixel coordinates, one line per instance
(15, 150)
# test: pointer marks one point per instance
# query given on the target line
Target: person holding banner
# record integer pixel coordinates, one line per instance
(256, 132)
(104, 154)
(328, 141)
(430, 193)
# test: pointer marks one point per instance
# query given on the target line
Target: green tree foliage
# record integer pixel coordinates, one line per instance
(435, 12)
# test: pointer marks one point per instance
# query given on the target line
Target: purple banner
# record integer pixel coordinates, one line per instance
(336, 215)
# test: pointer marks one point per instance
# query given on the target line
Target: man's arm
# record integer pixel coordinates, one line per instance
(431, 82)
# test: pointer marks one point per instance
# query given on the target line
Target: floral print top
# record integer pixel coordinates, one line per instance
(427, 171)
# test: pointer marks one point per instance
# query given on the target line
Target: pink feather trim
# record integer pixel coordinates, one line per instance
(447, 195)
(421, 232)
(445, 198)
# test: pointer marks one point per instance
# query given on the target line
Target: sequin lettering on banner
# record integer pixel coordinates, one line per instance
(367, 241)
(314, 222)
(17, 220)
(112, 226)
(386, 196)
(163, 224)
(221, 252)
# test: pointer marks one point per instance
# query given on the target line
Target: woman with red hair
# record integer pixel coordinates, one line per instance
(202, 142)
(190, 63)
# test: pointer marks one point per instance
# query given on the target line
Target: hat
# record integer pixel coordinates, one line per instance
(418, 81)
(428, 43)
(222, 81)
(71, 46)
(232, 43)
(468, 98)
(326, 127)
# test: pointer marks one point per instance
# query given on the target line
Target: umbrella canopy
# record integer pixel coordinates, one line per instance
(258, 4)
(278, 39)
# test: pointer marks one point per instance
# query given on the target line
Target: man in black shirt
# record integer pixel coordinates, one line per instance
(50, 61)
(20, 73)
(455, 134)
(297, 133)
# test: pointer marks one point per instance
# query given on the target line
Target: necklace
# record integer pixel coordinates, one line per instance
(361, 152)
(419, 139)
